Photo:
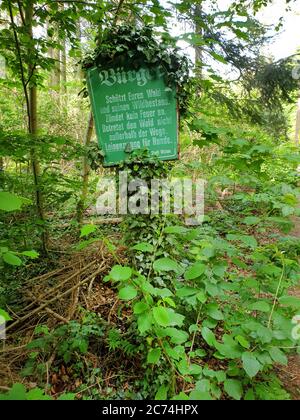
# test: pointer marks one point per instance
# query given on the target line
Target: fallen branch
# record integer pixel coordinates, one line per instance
(9, 349)
(45, 305)
(57, 316)
(54, 289)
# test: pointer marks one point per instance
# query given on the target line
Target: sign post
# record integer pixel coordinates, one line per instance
(133, 109)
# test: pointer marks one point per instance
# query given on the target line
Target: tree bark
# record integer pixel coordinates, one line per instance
(85, 172)
(199, 32)
(50, 55)
(63, 63)
(57, 59)
(32, 125)
(79, 72)
(64, 67)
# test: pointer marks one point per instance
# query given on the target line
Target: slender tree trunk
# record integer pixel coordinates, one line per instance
(57, 59)
(198, 48)
(64, 67)
(78, 71)
(32, 125)
(85, 172)
(64, 62)
(50, 55)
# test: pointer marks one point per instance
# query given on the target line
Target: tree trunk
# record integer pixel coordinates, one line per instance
(64, 62)
(57, 59)
(32, 127)
(198, 49)
(79, 72)
(85, 173)
(50, 55)
(64, 67)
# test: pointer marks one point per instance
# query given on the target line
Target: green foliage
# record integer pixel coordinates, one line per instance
(203, 312)
(117, 341)
(9, 202)
(128, 46)
(190, 306)
(18, 393)
(69, 340)
(4, 315)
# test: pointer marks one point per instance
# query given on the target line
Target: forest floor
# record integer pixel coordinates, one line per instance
(76, 284)
(290, 374)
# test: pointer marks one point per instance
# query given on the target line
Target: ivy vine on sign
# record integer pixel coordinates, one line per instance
(135, 82)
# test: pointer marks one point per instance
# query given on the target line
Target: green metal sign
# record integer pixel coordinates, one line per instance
(133, 110)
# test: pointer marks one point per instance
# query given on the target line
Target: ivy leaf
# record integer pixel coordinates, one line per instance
(195, 271)
(9, 202)
(11, 259)
(119, 273)
(165, 264)
(153, 356)
(127, 293)
(233, 388)
(161, 316)
(250, 364)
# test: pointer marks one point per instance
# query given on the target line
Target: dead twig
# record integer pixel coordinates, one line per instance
(57, 316)
(45, 305)
(54, 289)
(111, 311)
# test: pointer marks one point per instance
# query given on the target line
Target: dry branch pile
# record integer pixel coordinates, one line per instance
(54, 298)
